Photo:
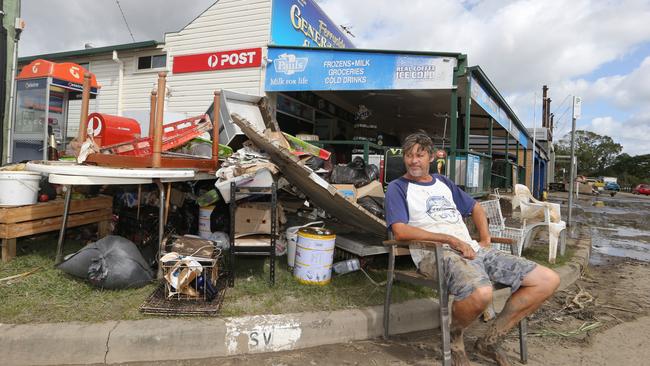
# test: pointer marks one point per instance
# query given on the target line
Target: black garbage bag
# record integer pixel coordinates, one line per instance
(315, 163)
(373, 204)
(357, 172)
(112, 263)
(220, 216)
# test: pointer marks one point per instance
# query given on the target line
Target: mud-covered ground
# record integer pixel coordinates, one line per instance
(602, 319)
(613, 301)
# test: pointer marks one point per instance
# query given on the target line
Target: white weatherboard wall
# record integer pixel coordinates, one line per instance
(226, 25)
(136, 85)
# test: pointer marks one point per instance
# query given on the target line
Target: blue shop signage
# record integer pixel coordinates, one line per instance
(293, 69)
(303, 23)
(493, 108)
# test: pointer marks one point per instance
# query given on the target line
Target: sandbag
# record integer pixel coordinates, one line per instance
(112, 262)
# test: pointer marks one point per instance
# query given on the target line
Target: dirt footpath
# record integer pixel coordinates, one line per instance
(603, 319)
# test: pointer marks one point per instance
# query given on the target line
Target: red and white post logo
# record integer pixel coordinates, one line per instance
(222, 60)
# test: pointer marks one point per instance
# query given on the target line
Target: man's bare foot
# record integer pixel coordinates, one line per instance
(492, 351)
(458, 354)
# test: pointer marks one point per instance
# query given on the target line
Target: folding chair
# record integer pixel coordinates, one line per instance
(413, 277)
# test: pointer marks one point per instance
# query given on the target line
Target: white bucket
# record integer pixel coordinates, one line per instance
(314, 255)
(204, 221)
(18, 188)
(291, 235)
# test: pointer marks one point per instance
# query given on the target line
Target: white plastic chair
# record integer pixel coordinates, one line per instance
(535, 214)
(497, 226)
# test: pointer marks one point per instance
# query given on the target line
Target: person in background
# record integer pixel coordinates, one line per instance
(423, 206)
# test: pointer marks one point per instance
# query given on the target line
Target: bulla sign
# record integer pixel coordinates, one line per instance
(222, 60)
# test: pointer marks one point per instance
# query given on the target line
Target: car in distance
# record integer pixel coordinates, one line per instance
(642, 189)
(612, 186)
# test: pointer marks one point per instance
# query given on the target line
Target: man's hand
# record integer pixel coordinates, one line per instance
(465, 249)
(485, 243)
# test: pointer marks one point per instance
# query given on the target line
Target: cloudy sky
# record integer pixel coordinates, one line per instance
(596, 49)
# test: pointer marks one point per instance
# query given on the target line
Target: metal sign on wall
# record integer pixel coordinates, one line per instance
(303, 23)
(221, 60)
(297, 69)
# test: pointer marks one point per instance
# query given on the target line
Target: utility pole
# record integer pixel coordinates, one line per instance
(577, 110)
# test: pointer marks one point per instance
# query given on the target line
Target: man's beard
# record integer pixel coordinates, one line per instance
(417, 172)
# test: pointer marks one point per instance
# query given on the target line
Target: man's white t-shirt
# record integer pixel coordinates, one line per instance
(437, 206)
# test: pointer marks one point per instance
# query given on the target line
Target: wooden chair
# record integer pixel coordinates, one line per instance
(412, 276)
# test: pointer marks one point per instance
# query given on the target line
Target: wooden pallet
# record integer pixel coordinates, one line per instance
(21, 221)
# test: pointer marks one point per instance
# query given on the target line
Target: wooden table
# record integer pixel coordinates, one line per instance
(20, 221)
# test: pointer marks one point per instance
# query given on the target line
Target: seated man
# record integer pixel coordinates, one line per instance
(423, 206)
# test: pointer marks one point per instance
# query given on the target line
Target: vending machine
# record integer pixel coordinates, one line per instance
(43, 90)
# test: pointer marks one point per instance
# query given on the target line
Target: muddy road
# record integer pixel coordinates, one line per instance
(603, 319)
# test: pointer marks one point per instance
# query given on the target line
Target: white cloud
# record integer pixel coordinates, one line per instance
(631, 133)
(520, 44)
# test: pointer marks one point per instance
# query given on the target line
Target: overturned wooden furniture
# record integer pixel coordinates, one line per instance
(157, 158)
(21, 221)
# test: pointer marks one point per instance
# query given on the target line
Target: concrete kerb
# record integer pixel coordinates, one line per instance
(177, 339)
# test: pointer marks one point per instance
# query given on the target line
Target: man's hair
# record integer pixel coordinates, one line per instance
(419, 138)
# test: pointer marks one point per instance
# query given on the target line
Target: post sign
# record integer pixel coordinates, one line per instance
(221, 60)
(293, 69)
(303, 23)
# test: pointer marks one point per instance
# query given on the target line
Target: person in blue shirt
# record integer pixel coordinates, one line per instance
(424, 206)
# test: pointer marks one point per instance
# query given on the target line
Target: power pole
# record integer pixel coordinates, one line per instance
(577, 110)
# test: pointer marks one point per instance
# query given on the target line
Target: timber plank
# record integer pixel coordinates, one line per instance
(17, 230)
(52, 208)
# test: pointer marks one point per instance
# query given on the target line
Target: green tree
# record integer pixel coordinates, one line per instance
(595, 153)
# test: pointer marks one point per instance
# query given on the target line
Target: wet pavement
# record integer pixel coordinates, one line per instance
(619, 225)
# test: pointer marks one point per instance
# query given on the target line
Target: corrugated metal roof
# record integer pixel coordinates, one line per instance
(90, 51)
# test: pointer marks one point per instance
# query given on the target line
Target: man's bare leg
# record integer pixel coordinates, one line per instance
(464, 312)
(536, 287)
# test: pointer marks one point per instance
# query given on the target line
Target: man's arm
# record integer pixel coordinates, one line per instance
(481, 223)
(407, 232)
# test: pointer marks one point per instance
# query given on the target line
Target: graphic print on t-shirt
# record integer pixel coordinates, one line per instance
(441, 210)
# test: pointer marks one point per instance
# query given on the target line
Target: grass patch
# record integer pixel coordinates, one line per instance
(539, 254)
(49, 295)
(253, 295)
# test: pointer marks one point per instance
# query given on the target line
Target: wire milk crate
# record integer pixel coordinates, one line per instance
(190, 269)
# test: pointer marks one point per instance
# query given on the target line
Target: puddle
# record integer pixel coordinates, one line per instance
(619, 228)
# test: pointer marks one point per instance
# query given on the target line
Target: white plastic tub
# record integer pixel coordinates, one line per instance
(18, 188)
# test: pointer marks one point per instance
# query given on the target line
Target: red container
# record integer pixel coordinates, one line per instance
(110, 130)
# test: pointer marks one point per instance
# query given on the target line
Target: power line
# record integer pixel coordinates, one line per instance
(559, 126)
(564, 100)
(125, 22)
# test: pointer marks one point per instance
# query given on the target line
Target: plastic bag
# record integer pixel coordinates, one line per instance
(112, 262)
(356, 172)
(373, 204)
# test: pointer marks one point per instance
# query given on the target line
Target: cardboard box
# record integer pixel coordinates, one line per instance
(347, 190)
(372, 189)
(255, 218)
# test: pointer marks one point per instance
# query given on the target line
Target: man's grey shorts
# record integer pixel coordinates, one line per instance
(463, 276)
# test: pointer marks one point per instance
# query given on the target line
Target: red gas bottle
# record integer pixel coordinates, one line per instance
(110, 130)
